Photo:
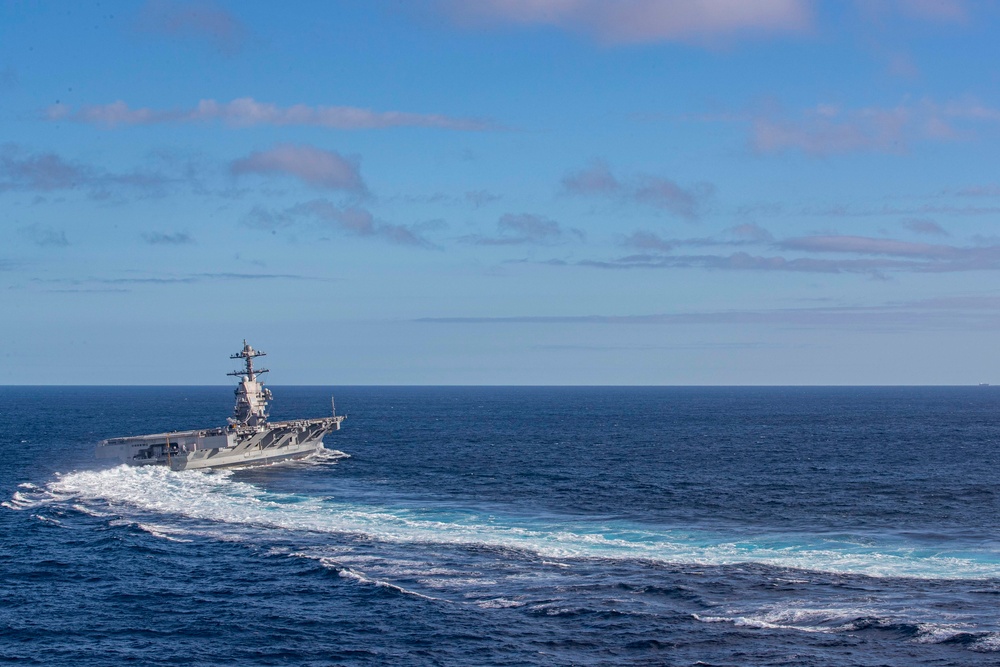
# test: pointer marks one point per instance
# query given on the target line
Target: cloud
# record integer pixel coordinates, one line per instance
(948, 313)
(842, 211)
(643, 240)
(41, 171)
(161, 238)
(264, 218)
(925, 227)
(354, 220)
(641, 21)
(594, 179)
(48, 172)
(667, 195)
(44, 236)
(863, 245)
(749, 233)
(202, 21)
(874, 257)
(831, 130)
(247, 112)
(177, 279)
(658, 192)
(740, 235)
(319, 168)
(525, 229)
(480, 198)
(991, 190)
(742, 261)
(826, 131)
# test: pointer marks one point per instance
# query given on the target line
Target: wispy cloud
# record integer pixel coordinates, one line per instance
(597, 179)
(594, 179)
(260, 217)
(747, 233)
(948, 313)
(359, 222)
(42, 235)
(830, 129)
(740, 235)
(991, 190)
(667, 195)
(203, 21)
(48, 172)
(646, 240)
(354, 220)
(928, 227)
(248, 112)
(85, 284)
(637, 21)
(316, 167)
(862, 211)
(874, 257)
(162, 238)
(864, 245)
(525, 229)
(480, 198)
(743, 261)
(39, 171)
(827, 129)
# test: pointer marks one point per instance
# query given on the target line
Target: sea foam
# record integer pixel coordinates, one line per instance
(219, 498)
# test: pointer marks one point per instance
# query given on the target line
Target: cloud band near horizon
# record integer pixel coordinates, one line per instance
(248, 112)
(981, 312)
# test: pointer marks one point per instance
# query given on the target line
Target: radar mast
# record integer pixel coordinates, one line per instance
(249, 354)
(251, 396)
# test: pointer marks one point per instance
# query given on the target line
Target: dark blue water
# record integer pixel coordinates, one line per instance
(512, 526)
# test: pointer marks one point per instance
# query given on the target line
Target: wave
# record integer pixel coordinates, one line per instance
(857, 619)
(232, 505)
(322, 457)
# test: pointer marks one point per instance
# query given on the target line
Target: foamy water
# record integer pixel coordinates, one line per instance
(217, 497)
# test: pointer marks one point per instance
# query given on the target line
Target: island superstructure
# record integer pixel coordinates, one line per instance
(247, 439)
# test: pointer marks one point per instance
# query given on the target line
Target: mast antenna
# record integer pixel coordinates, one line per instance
(249, 354)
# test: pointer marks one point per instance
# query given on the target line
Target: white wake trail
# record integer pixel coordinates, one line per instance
(218, 498)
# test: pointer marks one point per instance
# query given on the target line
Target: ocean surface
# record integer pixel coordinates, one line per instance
(511, 526)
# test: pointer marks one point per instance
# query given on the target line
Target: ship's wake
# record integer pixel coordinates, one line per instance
(157, 496)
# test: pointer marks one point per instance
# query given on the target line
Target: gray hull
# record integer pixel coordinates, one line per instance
(223, 447)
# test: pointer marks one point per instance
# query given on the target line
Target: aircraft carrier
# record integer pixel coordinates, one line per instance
(248, 438)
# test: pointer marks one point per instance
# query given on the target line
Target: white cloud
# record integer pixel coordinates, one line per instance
(313, 166)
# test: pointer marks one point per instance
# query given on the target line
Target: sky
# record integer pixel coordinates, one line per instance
(526, 192)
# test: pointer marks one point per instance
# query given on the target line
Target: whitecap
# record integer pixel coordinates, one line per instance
(163, 532)
(238, 507)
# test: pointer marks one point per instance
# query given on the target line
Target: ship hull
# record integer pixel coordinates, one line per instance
(222, 448)
(251, 457)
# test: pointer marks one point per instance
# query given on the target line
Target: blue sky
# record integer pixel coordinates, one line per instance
(501, 192)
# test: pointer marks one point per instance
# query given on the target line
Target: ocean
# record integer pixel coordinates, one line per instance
(511, 526)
